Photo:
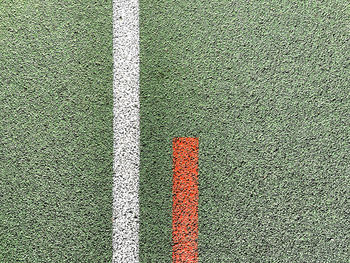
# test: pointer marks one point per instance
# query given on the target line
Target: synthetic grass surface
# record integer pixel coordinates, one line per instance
(56, 136)
(265, 86)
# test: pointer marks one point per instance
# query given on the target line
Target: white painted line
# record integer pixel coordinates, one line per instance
(126, 131)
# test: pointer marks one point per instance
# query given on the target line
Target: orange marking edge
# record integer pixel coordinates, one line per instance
(185, 200)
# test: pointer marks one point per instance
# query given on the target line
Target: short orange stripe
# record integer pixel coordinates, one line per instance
(185, 200)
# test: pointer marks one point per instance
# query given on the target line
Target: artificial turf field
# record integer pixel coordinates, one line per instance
(56, 135)
(263, 85)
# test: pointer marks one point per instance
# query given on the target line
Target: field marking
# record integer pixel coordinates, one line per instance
(126, 131)
(185, 200)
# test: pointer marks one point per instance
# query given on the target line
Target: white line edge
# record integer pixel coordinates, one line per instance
(126, 131)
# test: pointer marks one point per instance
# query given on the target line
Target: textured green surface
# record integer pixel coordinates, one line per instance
(265, 86)
(56, 137)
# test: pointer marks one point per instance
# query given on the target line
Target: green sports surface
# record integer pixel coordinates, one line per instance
(265, 85)
(56, 135)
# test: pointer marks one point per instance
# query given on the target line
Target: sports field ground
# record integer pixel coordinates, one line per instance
(56, 136)
(243, 113)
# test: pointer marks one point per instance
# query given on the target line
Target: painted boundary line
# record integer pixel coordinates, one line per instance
(126, 131)
(185, 200)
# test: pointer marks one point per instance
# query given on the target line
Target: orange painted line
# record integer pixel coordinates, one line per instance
(185, 200)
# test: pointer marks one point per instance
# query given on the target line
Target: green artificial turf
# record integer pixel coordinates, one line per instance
(265, 85)
(56, 135)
